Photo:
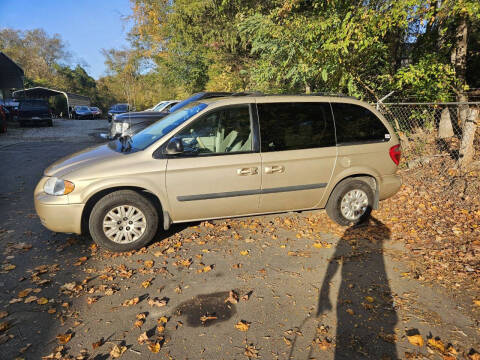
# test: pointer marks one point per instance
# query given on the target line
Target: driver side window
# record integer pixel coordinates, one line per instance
(224, 131)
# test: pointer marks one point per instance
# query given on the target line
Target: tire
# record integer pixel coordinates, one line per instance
(334, 204)
(102, 211)
(50, 123)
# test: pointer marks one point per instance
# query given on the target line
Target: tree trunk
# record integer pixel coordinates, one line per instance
(445, 129)
(459, 59)
(466, 147)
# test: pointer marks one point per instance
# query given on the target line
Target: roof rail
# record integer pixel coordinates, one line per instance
(246, 93)
(259, 93)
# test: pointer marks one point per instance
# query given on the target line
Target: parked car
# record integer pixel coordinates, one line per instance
(96, 112)
(82, 112)
(34, 112)
(117, 109)
(3, 119)
(131, 123)
(163, 105)
(225, 157)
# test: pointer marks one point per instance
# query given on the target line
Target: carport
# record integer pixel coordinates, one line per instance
(45, 93)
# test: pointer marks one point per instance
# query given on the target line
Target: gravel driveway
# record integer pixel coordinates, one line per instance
(62, 130)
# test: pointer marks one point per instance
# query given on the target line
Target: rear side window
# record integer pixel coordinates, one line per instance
(293, 126)
(356, 124)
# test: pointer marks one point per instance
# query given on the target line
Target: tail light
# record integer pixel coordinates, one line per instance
(395, 153)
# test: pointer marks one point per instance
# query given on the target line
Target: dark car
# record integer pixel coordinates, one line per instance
(117, 109)
(34, 112)
(82, 112)
(96, 112)
(131, 123)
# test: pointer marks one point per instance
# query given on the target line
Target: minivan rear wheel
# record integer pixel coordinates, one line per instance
(123, 220)
(350, 202)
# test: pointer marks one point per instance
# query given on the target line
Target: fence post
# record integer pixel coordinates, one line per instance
(466, 146)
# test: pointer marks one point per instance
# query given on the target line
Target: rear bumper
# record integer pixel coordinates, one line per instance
(389, 185)
(57, 216)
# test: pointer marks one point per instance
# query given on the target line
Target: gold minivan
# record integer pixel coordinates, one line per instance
(225, 157)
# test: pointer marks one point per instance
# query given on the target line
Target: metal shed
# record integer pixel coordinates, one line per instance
(45, 93)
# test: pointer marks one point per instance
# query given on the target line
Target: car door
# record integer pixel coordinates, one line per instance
(298, 154)
(218, 173)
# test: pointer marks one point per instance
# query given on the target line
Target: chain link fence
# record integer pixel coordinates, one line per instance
(430, 133)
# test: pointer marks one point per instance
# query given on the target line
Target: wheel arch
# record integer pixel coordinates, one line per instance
(368, 178)
(93, 199)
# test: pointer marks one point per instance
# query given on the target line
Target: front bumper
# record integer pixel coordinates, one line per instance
(56, 213)
(389, 185)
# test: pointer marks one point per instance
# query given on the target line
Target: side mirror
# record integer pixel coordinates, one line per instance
(174, 146)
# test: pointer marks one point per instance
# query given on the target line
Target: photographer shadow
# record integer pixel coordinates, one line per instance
(365, 315)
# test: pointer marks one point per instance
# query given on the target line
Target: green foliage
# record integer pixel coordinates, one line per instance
(428, 80)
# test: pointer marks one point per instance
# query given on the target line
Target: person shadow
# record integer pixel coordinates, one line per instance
(365, 313)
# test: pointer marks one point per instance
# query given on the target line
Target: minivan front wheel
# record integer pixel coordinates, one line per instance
(123, 220)
(350, 202)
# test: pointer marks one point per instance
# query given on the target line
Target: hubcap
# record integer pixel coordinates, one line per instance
(354, 204)
(124, 224)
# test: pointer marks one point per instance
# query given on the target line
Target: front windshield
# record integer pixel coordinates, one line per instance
(121, 107)
(83, 108)
(160, 106)
(162, 127)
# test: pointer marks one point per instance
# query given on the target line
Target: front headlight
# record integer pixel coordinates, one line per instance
(55, 186)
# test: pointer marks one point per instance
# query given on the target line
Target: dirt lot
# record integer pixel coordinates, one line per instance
(289, 286)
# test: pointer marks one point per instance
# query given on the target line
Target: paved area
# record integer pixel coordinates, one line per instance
(290, 286)
(62, 129)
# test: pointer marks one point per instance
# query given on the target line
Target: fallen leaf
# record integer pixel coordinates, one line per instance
(8, 267)
(369, 299)
(436, 344)
(242, 325)
(4, 326)
(350, 311)
(287, 341)
(98, 343)
(131, 302)
(318, 245)
(24, 293)
(244, 252)
(205, 269)
(154, 347)
(416, 340)
(64, 338)
(143, 338)
(251, 351)
(232, 297)
(3, 314)
(42, 301)
(148, 263)
(158, 302)
(205, 318)
(476, 302)
(117, 351)
(30, 299)
(146, 284)
(162, 320)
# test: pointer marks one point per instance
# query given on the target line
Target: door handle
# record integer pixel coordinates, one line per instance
(274, 169)
(247, 171)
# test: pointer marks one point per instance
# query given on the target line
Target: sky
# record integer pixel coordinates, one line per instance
(86, 26)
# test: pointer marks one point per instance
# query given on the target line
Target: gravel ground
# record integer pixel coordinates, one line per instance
(62, 130)
(306, 291)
